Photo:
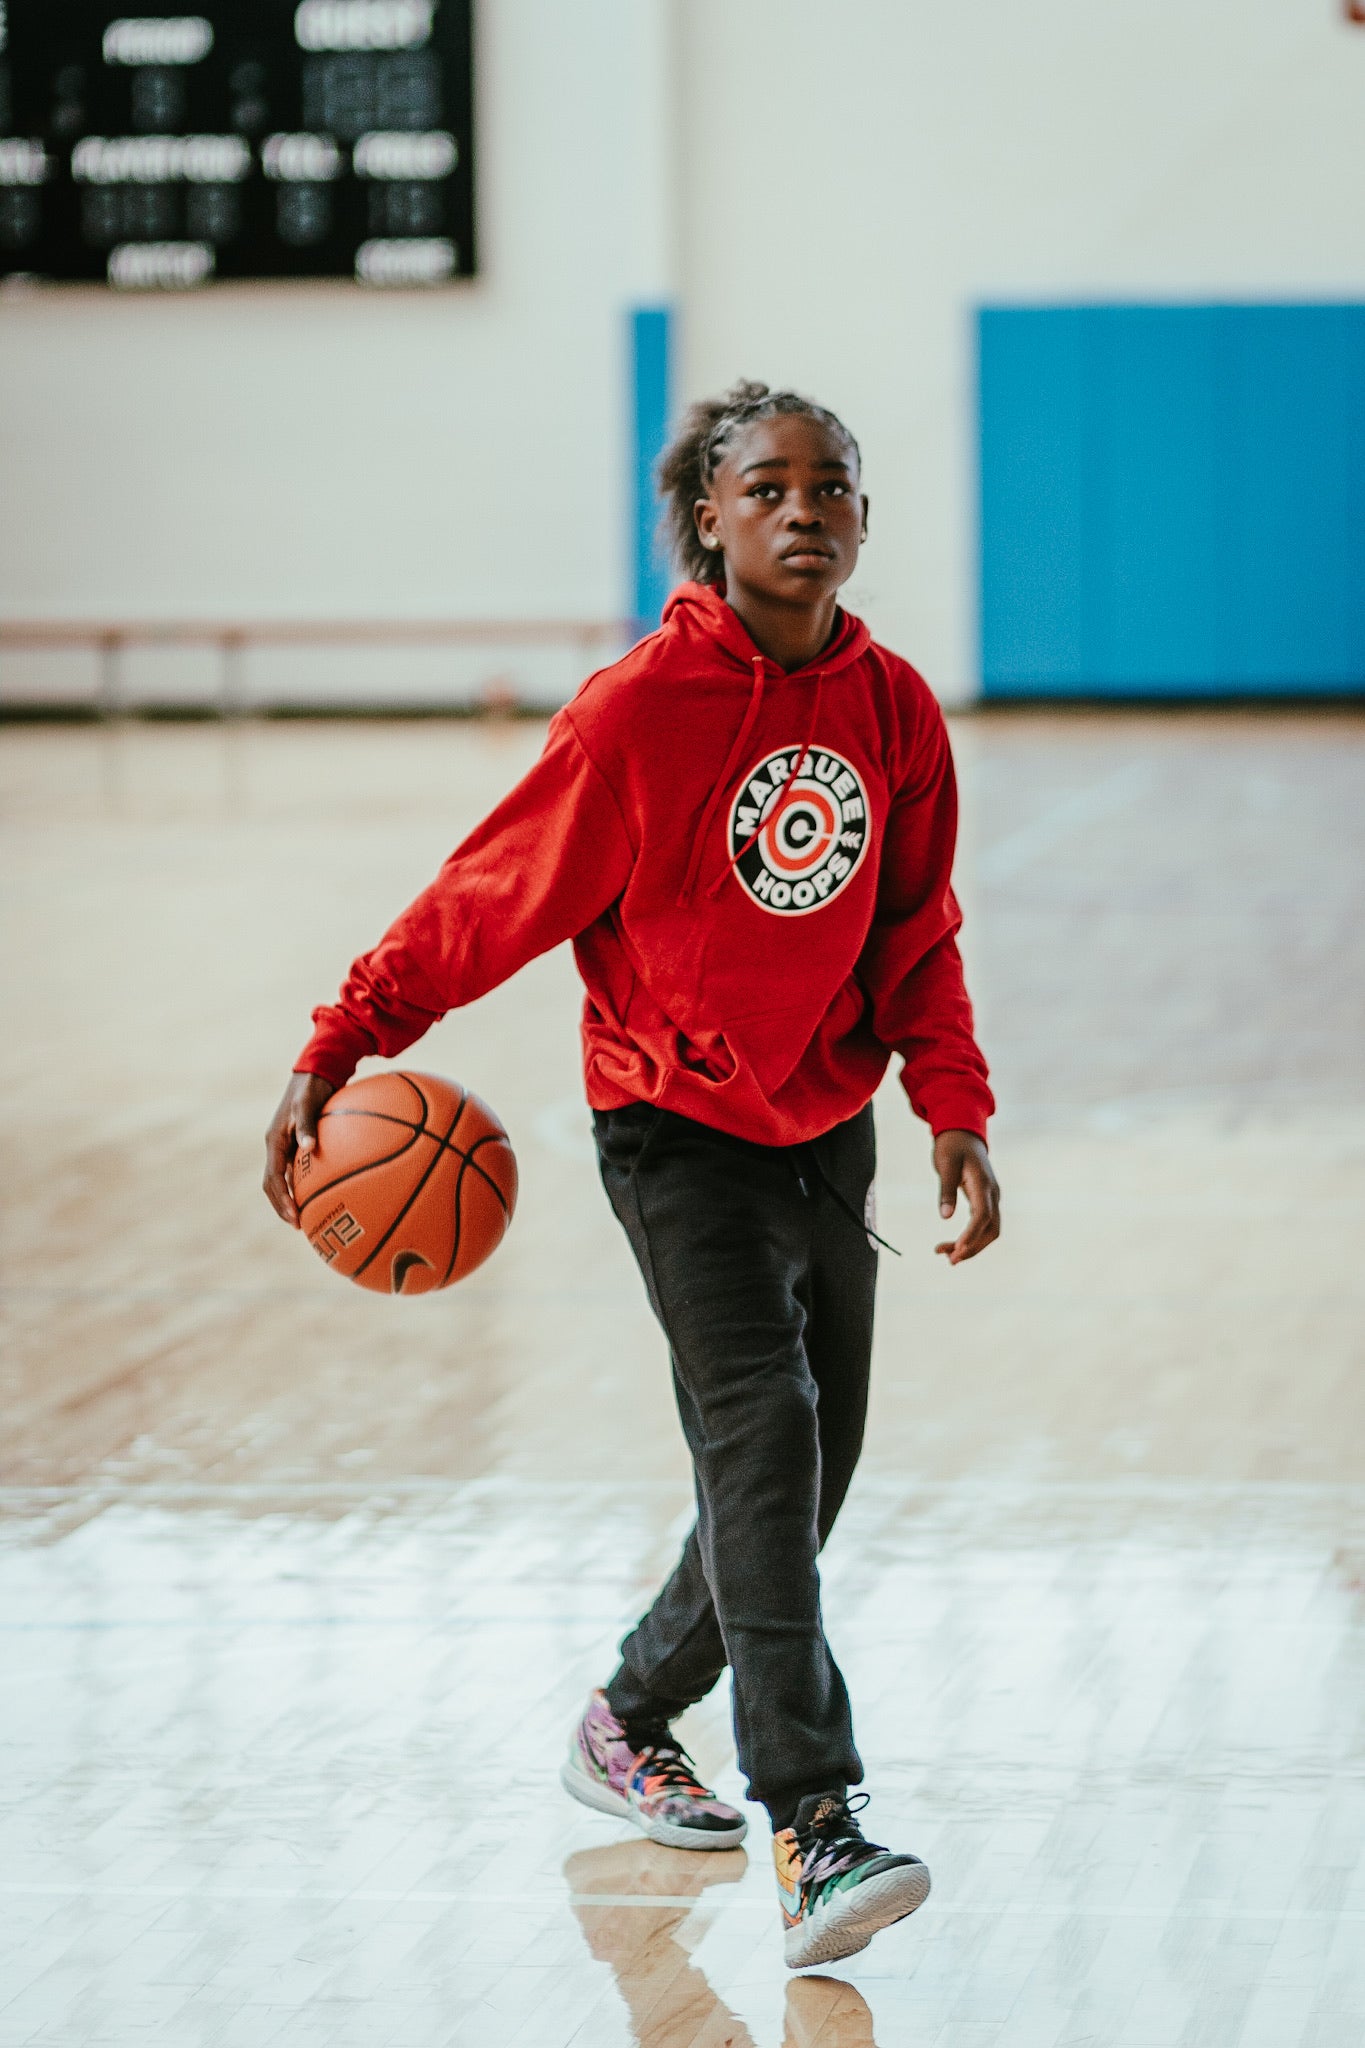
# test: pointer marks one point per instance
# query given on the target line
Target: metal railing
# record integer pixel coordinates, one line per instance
(113, 638)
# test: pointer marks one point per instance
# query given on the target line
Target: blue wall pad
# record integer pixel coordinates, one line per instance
(1172, 500)
(651, 339)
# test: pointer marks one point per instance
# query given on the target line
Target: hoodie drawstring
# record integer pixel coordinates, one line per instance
(764, 824)
(722, 781)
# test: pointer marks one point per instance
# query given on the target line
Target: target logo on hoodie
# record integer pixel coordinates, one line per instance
(798, 829)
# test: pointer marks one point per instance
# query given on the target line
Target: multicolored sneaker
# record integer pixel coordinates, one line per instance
(837, 1890)
(647, 1779)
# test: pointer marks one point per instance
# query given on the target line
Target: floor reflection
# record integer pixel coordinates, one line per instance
(668, 1998)
(829, 2008)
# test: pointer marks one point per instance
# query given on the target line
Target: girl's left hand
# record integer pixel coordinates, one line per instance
(963, 1164)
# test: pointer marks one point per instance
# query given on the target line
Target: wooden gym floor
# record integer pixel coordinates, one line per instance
(300, 1590)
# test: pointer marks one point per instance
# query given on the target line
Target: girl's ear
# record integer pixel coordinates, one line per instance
(704, 512)
(863, 535)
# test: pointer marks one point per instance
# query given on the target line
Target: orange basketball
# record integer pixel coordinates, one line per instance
(411, 1186)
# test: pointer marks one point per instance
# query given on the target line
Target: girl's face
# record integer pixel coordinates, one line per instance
(785, 510)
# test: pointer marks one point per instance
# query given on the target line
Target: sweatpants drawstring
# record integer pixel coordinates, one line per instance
(811, 1159)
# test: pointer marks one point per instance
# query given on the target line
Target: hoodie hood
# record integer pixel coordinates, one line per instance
(699, 613)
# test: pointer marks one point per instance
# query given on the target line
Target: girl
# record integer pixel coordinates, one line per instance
(746, 827)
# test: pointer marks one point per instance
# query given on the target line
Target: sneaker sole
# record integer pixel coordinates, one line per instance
(668, 1834)
(849, 1921)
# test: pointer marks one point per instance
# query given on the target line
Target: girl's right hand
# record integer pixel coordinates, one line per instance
(293, 1128)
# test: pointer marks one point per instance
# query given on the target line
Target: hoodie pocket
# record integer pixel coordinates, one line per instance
(714, 1061)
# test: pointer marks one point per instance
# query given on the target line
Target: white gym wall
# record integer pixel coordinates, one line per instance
(827, 192)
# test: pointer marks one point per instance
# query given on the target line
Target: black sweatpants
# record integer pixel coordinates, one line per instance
(763, 1278)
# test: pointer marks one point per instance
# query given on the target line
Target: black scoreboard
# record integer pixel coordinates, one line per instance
(259, 138)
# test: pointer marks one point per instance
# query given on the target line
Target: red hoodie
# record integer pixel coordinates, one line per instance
(754, 868)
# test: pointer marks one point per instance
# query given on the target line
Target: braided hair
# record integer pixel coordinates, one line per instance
(687, 466)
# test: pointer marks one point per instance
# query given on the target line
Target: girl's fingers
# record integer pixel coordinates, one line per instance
(307, 1110)
(276, 1183)
(294, 1130)
(984, 1226)
(949, 1181)
(277, 1192)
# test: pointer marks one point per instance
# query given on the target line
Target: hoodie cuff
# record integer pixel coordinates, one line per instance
(959, 1109)
(964, 1120)
(334, 1051)
(336, 1070)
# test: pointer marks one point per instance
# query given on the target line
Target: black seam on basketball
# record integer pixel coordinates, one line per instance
(465, 1154)
(423, 1128)
(489, 1138)
(408, 1082)
(440, 1147)
(437, 1149)
(329, 1187)
(332, 1106)
(425, 1131)
(458, 1209)
(441, 1144)
(468, 1151)
(464, 1104)
(498, 1137)
(380, 1116)
(426, 1110)
(459, 1223)
(420, 1092)
(468, 1164)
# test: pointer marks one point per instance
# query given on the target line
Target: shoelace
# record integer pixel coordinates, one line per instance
(660, 1757)
(843, 1845)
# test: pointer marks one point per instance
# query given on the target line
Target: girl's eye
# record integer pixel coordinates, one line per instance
(837, 490)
